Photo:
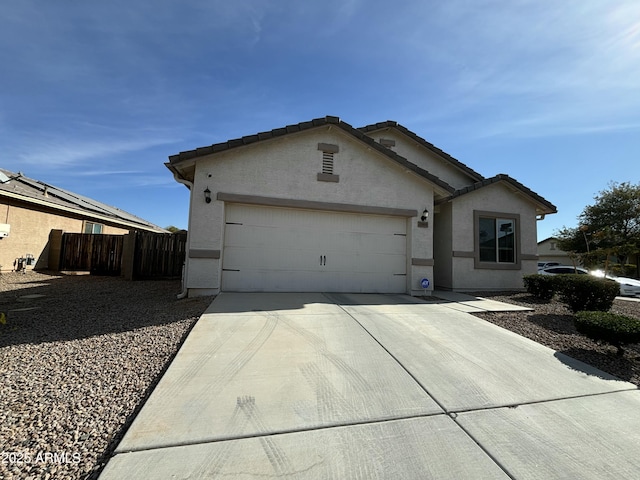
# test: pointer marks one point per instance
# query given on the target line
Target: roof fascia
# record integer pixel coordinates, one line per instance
(251, 139)
(546, 207)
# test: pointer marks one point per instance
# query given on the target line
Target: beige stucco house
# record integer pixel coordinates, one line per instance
(31, 209)
(548, 251)
(323, 206)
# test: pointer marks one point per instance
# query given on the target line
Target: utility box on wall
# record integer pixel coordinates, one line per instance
(5, 228)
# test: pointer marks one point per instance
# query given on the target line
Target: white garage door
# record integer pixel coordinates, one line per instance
(292, 250)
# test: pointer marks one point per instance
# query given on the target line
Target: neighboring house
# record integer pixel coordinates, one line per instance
(30, 209)
(548, 251)
(323, 206)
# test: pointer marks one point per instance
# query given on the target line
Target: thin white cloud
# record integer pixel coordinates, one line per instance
(102, 173)
(65, 152)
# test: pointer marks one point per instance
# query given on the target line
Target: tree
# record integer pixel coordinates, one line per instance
(615, 218)
(611, 226)
(172, 229)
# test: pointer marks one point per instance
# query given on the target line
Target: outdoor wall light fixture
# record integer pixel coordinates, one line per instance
(425, 215)
(207, 195)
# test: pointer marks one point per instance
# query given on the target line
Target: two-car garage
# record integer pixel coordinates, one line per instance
(300, 250)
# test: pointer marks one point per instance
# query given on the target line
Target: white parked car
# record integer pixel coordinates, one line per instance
(562, 269)
(542, 265)
(629, 287)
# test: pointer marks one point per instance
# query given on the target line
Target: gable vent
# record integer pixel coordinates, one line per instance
(327, 162)
(328, 150)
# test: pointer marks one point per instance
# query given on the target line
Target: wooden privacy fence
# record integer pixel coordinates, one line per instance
(135, 255)
(96, 253)
(159, 255)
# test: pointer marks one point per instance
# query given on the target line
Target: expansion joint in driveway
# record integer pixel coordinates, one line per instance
(275, 433)
(454, 413)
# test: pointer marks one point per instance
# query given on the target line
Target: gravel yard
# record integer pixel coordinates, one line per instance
(551, 324)
(80, 354)
(76, 364)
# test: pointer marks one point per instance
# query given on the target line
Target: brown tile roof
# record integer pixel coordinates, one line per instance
(174, 160)
(429, 146)
(359, 133)
(501, 177)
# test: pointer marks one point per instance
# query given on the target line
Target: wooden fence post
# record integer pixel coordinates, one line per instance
(128, 254)
(55, 249)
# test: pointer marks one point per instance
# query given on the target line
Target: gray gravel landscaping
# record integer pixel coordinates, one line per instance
(78, 357)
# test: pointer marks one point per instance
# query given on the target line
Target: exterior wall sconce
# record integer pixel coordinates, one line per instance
(207, 195)
(423, 223)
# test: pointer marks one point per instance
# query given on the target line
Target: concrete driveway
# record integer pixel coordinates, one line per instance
(339, 386)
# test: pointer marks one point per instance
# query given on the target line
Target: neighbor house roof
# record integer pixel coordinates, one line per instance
(547, 239)
(421, 141)
(545, 206)
(43, 195)
(176, 160)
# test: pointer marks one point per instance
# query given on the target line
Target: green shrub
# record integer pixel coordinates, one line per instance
(585, 292)
(540, 286)
(617, 330)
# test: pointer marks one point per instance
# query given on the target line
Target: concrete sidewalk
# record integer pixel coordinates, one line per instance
(375, 386)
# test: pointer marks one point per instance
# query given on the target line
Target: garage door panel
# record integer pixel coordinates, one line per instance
(279, 249)
(269, 259)
(358, 262)
(269, 237)
(274, 281)
(378, 243)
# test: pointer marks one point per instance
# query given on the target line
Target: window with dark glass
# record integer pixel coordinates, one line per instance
(497, 240)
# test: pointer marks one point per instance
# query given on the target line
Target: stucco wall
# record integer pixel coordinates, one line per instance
(30, 233)
(494, 198)
(287, 167)
(442, 246)
(549, 252)
(424, 158)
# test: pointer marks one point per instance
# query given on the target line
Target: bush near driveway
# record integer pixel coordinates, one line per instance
(584, 292)
(578, 292)
(540, 286)
(617, 330)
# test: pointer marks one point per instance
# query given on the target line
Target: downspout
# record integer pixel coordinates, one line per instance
(189, 185)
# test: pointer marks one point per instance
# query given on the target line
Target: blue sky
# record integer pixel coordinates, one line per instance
(94, 96)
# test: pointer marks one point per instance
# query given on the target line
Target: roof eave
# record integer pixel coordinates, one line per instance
(179, 161)
(83, 213)
(543, 206)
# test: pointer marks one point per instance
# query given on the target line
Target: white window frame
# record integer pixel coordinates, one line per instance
(94, 227)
